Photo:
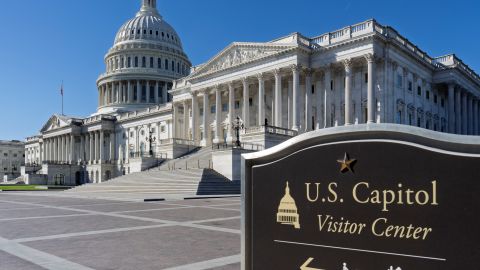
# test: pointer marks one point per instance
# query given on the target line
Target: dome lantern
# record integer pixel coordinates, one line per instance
(149, 7)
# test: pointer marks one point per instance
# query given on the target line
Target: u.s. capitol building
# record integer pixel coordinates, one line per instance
(150, 95)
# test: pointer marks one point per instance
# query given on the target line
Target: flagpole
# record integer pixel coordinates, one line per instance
(61, 91)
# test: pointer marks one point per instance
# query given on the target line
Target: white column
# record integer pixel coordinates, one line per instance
(327, 95)
(296, 86)
(218, 116)
(261, 100)
(206, 112)
(371, 106)
(458, 111)
(278, 98)
(62, 149)
(318, 99)
(72, 152)
(101, 147)
(348, 93)
(90, 148)
(464, 114)
(156, 92)
(308, 100)
(130, 91)
(112, 147)
(165, 93)
(451, 108)
(470, 114)
(175, 128)
(194, 116)
(117, 91)
(231, 111)
(97, 146)
(148, 94)
(139, 92)
(246, 103)
(186, 121)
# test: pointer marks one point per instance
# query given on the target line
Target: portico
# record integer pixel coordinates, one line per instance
(291, 97)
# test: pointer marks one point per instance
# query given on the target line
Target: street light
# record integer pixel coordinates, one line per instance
(238, 125)
(151, 140)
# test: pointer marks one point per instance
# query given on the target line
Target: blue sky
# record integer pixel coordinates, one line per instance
(45, 42)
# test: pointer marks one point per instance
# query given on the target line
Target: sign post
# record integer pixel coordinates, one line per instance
(366, 197)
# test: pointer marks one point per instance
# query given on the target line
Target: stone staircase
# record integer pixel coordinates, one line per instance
(187, 176)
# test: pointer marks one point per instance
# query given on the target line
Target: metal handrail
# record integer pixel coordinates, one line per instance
(243, 146)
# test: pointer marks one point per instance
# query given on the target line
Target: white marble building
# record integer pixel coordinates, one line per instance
(12, 156)
(364, 73)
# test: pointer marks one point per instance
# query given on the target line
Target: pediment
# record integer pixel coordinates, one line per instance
(238, 54)
(56, 122)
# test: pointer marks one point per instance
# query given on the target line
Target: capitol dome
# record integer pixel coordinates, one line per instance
(148, 25)
(146, 57)
(287, 210)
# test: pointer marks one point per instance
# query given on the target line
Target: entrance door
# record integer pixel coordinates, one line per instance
(78, 178)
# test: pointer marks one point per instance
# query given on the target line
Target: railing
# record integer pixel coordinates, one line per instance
(178, 141)
(243, 146)
(345, 33)
(271, 130)
(148, 155)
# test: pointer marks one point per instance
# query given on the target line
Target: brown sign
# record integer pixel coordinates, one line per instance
(369, 201)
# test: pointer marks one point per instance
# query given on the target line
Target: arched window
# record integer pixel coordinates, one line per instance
(166, 64)
(129, 62)
(122, 62)
(144, 62)
(136, 61)
(151, 62)
(173, 65)
(178, 67)
(159, 63)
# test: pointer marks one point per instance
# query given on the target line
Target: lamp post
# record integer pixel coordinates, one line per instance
(151, 140)
(238, 125)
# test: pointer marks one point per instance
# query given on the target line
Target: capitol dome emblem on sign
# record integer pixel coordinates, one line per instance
(287, 210)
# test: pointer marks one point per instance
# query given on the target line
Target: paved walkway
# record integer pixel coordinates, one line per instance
(59, 233)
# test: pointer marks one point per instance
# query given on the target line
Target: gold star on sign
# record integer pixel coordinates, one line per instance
(346, 164)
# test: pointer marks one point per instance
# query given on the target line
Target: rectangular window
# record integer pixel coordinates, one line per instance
(213, 109)
(366, 77)
(427, 95)
(435, 99)
(151, 62)
(410, 86)
(250, 102)
(224, 107)
(399, 81)
(331, 85)
(159, 63)
(201, 111)
(166, 64)
(419, 122)
(162, 129)
(442, 101)
(410, 119)
(237, 104)
(419, 91)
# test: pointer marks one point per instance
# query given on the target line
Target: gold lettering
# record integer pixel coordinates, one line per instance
(355, 194)
(308, 192)
(332, 192)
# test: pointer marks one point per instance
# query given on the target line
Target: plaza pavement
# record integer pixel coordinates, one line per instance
(39, 231)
